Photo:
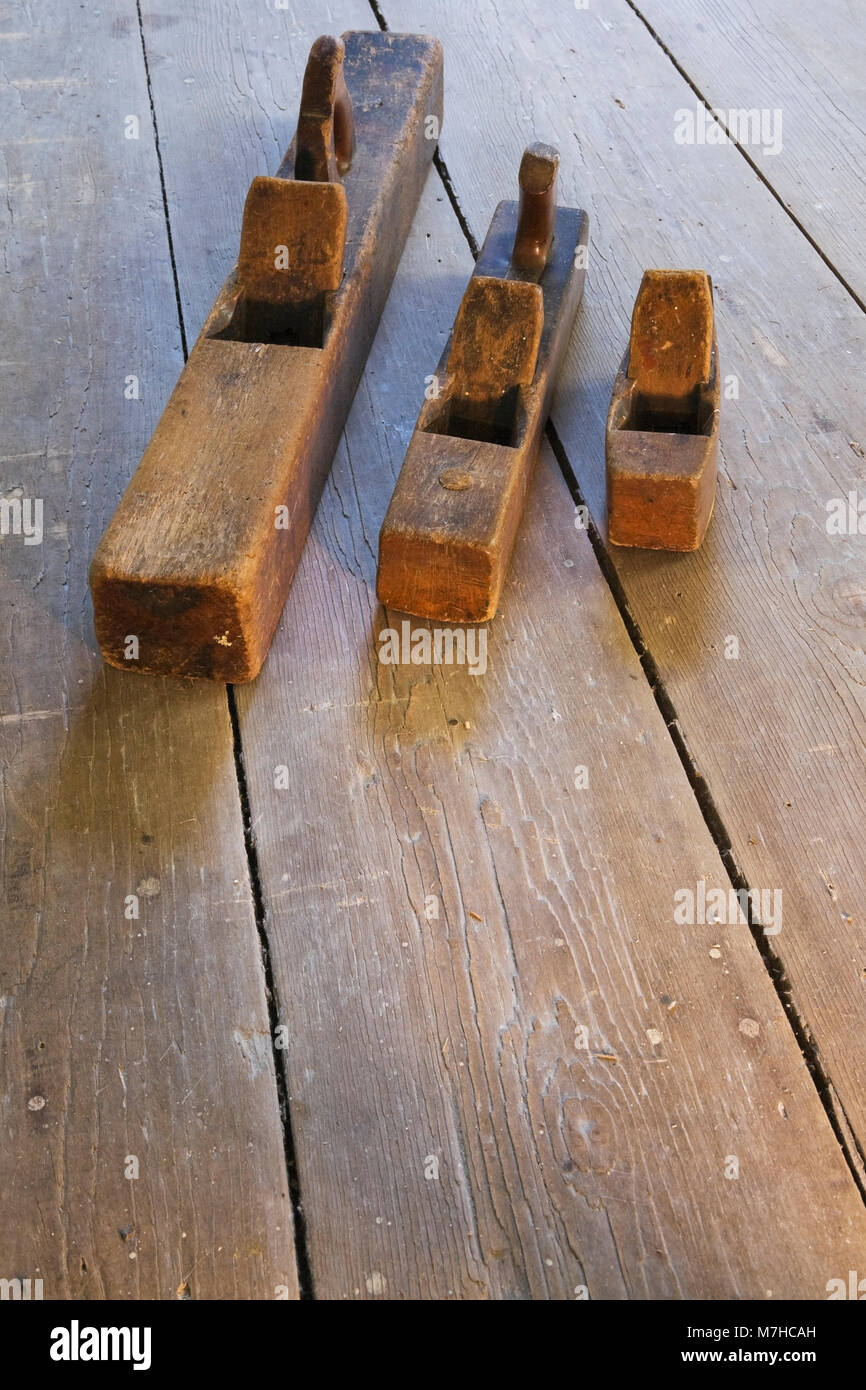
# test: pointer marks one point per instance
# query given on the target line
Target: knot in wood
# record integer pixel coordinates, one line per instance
(455, 479)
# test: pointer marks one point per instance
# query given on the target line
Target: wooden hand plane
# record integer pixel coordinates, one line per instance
(663, 422)
(198, 560)
(449, 531)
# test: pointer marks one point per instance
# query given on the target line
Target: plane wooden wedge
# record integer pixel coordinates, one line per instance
(193, 571)
(449, 531)
(661, 443)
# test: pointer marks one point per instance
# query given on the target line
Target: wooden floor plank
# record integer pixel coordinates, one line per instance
(142, 1149)
(806, 62)
(459, 1036)
(511, 1072)
(778, 734)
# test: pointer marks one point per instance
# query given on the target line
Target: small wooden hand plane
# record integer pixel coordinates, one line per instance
(663, 423)
(198, 559)
(449, 531)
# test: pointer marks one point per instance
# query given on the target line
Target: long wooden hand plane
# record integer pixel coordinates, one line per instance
(193, 571)
(449, 531)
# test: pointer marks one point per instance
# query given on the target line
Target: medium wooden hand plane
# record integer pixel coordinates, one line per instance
(663, 422)
(449, 531)
(198, 560)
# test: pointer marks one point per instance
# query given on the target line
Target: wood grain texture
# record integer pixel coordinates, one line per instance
(455, 1038)
(380, 795)
(807, 62)
(449, 909)
(122, 1037)
(559, 1164)
(776, 735)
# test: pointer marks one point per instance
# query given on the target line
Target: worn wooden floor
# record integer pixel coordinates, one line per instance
(422, 1023)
